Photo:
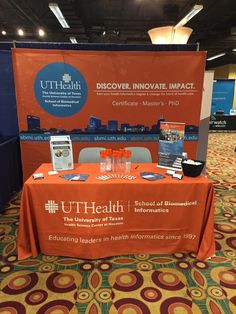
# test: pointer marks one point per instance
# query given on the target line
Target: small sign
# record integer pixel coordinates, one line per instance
(171, 144)
(61, 152)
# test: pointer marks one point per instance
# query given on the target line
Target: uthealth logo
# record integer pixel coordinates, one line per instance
(83, 207)
(65, 83)
(51, 206)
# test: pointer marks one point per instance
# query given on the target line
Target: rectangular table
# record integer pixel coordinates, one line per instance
(95, 219)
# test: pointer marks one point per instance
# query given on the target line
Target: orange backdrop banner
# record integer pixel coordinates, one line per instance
(110, 97)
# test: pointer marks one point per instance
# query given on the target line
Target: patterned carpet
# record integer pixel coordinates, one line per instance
(131, 284)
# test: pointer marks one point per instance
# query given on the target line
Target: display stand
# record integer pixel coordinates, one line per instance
(61, 152)
(171, 143)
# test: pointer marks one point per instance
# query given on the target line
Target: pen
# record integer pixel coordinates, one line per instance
(136, 167)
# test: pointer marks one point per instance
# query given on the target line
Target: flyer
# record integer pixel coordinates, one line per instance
(61, 152)
(75, 177)
(171, 142)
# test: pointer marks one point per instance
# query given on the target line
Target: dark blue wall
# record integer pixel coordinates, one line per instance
(8, 113)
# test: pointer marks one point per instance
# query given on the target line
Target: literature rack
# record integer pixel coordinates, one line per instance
(61, 152)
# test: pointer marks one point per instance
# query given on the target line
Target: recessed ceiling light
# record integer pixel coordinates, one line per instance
(20, 32)
(41, 32)
(4, 32)
(216, 56)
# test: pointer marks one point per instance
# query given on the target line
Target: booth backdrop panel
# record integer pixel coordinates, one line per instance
(222, 96)
(8, 113)
(114, 98)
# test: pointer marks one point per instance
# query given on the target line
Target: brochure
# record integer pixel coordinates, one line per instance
(151, 176)
(171, 144)
(61, 152)
(75, 177)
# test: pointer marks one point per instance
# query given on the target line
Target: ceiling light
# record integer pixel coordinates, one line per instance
(20, 32)
(196, 8)
(4, 32)
(73, 40)
(234, 49)
(57, 12)
(216, 56)
(170, 35)
(104, 33)
(41, 32)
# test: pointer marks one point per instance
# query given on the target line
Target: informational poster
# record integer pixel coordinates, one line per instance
(61, 153)
(171, 143)
(110, 99)
(222, 96)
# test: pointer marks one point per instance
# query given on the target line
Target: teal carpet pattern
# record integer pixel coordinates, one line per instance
(130, 284)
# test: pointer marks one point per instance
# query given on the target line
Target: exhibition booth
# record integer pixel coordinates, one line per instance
(113, 96)
(117, 157)
(100, 95)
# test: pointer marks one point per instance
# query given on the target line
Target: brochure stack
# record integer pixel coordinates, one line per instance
(61, 152)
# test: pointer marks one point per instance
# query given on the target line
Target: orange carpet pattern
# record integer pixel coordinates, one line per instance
(130, 284)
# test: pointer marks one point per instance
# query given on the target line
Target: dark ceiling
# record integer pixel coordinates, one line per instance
(124, 21)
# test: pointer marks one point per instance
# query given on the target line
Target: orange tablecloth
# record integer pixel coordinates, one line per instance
(95, 219)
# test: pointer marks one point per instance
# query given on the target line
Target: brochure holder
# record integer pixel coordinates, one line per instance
(61, 152)
(171, 143)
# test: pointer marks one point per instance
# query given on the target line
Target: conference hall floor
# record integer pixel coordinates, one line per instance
(124, 284)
